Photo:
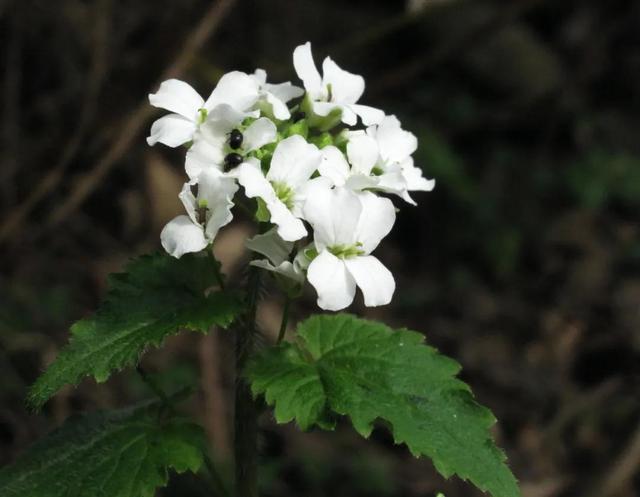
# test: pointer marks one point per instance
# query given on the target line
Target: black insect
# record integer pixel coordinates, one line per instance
(235, 139)
(232, 160)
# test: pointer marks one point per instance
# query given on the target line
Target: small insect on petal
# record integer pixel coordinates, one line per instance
(232, 160)
(235, 139)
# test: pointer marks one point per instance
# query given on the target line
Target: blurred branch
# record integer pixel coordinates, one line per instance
(129, 131)
(134, 124)
(95, 78)
(11, 97)
(403, 73)
(374, 33)
(621, 470)
(216, 417)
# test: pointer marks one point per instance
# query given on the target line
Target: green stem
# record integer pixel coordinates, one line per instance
(216, 266)
(155, 388)
(285, 319)
(216, 480)
(246, 413)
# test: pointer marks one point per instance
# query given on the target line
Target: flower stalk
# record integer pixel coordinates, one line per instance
(246, 412)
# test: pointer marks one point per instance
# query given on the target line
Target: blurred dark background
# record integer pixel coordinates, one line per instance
(523, 264)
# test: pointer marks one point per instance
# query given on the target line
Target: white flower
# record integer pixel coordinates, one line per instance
(211, 142)
(277, 252)
(285, 187)
(237, 89)
(357, 171)
(379, 158)
(395, 147)
(276, 96)
(208, 211)
(335, 89)
(347, 227)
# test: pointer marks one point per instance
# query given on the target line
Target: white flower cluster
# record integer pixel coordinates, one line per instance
(304, 164)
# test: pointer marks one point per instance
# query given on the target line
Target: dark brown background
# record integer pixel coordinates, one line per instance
(523, 264)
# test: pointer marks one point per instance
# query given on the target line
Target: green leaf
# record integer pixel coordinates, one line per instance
(367, 371)
(157, 297)
(125, 453)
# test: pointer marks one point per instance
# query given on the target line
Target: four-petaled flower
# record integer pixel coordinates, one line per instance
(189, 110)
(211, 142)
(286, 185)
(335, 89)
(395, 147)
(347, 227)
(208, 211)
(275, 96)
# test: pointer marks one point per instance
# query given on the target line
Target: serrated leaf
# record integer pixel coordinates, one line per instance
(125, 453)
(156, 297)
(367, 371)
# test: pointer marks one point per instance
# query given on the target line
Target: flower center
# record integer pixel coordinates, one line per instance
(202, 115)
(329, 93)
(201, 211)
(346, 251)
(284, 193)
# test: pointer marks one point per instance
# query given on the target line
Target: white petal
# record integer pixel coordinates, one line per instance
(348, 116)
(373, 278)
(217, 190)
(334, 165)
(358, 182)
(259, 133)
(255, 184)
(369, 115)
(172, 130)
(307, 189)
(334, 216)
(334, 284)
(393, 182)
(306, 68)
(221, 120)
(376, 220)
(270, 245)
(278, 107)
(346, 87)
(180, 236)
(284, 91)
(189, 201)
(395, 143)
(324, 108)
(251, 178)
(237, 89)
(261, 76)
(179, 97)
(294, 161)
(204, 154)
(290, 228)
(415, 181)
(362, 151)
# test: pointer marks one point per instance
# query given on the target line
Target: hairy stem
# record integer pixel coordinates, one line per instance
(246, 413)
(285, 319)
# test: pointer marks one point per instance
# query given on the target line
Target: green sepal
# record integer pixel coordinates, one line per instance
(321, 123)
(300, 127)
(262, 213)
(322, 140)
